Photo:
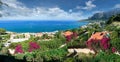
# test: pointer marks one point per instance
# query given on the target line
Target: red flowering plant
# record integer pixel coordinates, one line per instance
(114, 49)
(33, 46)
(18, 49)
(68, 38)
(104, 43)
(89, 43)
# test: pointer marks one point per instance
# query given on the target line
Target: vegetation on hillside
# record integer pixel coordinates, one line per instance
(114, 18)
(37, 50)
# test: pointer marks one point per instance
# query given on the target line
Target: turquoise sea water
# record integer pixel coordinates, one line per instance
(39, 26)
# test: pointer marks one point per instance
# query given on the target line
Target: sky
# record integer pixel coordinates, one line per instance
(54, 9)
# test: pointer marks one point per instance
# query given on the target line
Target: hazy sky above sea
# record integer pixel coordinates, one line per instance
(54, 9)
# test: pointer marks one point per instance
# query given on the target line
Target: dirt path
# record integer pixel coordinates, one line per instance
(81, 50)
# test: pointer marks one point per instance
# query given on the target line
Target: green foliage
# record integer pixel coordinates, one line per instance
(79, 42)
(116, 43)
(45, 36)
(52, 44)
(56, 54)
(29, 56)
(4, 51)
(13, 45)
(113, 35)
(25, 45)
(82, 57)
(113, 18)
(70, 60)
(58, 35)
(2, 30)
(106, 57)
(110, 20)
(1, 46)
(117, 18)
(110, 28)
(19, 56)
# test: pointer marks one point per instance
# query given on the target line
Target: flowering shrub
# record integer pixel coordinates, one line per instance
(89, 43)
(18, 49)
(105, 43)
(33, 46)
(116, 43)
(113, 49)
(68, 38)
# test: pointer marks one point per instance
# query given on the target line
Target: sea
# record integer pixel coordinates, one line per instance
(40, 26)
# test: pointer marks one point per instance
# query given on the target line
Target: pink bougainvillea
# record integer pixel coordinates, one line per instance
(18, 49)
(33, 46)
(68, 38)
(113, 49)
(89, 43)
(105, 43)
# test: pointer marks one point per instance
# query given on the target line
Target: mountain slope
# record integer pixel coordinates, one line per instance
(104, 15)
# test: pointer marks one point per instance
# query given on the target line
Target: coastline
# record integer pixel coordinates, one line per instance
(32, 32)
(40, 26)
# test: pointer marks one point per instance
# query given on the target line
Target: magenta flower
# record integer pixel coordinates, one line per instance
(18, 49)
(68, 38)
(33, 46)
(105, 43)
(113, 49)
(89, 43)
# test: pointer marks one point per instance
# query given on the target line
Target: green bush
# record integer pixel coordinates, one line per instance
(70, 60)
(113, 19)
(82, 57)
(52, 44)
(53, 55)
(4, 51)
(116, 43)
(13, 45)
(2, 30)
(114, 35)
(19, 56)
(106, 57)
(110, 28)
(29, 56)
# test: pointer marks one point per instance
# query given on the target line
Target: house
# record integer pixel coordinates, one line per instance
(98, 35)
(38, 34)
(67, 33)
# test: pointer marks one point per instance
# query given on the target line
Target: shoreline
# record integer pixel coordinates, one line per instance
(32, 32)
